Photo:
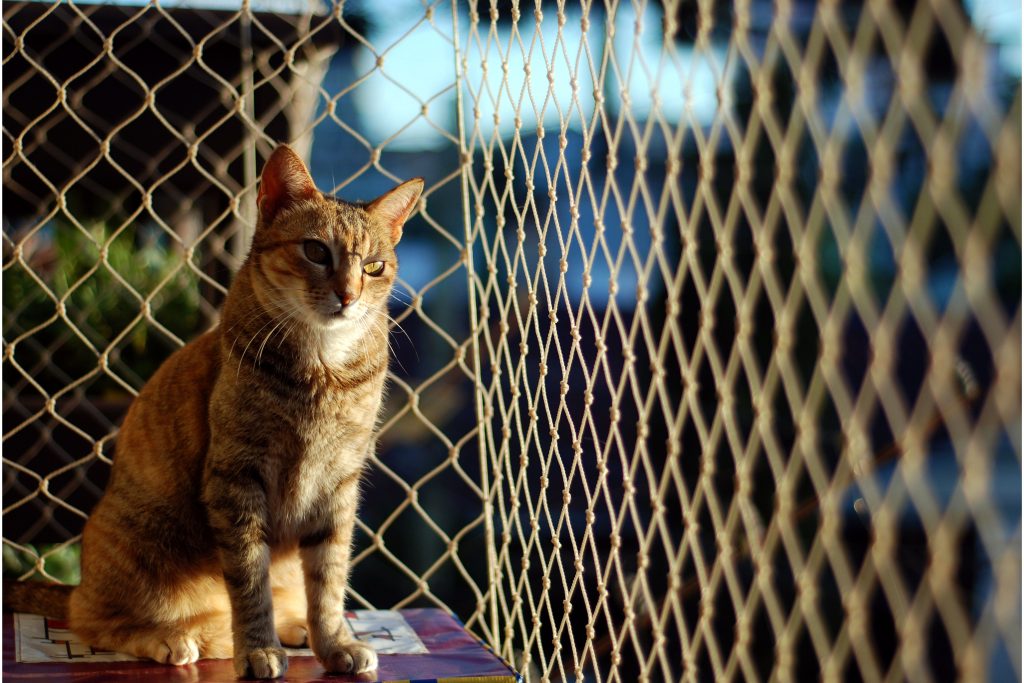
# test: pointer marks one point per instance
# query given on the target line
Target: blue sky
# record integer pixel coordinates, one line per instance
(421, 61)
(686, 82)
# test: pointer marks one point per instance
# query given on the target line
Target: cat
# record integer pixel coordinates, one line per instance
(225, 529)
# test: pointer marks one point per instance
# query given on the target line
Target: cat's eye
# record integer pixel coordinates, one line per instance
(373, 268)
(317, 252)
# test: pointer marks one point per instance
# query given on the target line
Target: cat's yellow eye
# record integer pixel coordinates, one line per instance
(373, 268)
(317, 252)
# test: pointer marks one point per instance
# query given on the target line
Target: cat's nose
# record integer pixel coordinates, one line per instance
(346, 298)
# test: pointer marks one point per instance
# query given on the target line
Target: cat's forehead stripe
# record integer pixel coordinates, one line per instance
(336, 222)
(352, 229)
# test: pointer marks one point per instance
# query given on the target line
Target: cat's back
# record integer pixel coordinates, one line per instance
(166, 432)
(155, 479)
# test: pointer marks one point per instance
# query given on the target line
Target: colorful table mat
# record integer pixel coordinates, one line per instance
(415, 645)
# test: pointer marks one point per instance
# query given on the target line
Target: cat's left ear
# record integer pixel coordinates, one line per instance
(393, 208)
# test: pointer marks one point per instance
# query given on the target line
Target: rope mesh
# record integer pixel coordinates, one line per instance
(713, 369)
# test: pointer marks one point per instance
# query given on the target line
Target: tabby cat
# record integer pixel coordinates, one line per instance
(227, 522)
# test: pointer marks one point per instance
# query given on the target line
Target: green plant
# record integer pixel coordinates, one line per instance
(104, 282)
(61, 563)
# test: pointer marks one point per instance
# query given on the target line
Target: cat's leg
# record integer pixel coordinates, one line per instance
(178, 642)
(236, 504)
(325, 559)
(124, 604)
(177, 646)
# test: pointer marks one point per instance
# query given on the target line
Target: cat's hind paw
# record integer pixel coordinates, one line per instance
(178, 650)
(261, 662)
(350, 658)
(292, 634)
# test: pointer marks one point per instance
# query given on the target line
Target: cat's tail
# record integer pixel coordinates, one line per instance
(34, 597)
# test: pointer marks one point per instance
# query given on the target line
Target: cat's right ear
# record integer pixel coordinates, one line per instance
(285, 181)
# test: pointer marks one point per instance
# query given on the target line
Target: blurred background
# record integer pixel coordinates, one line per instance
(708, 352)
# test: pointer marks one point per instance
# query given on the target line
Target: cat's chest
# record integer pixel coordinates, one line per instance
(327, 451)
(337, 437)
(312, 431)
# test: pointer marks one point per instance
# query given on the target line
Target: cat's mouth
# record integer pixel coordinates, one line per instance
(348, 314)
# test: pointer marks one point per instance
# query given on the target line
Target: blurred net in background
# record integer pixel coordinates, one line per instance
(711, 312)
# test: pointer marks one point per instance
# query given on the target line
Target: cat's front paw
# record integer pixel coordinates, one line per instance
(261, 662)
(350, 658)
